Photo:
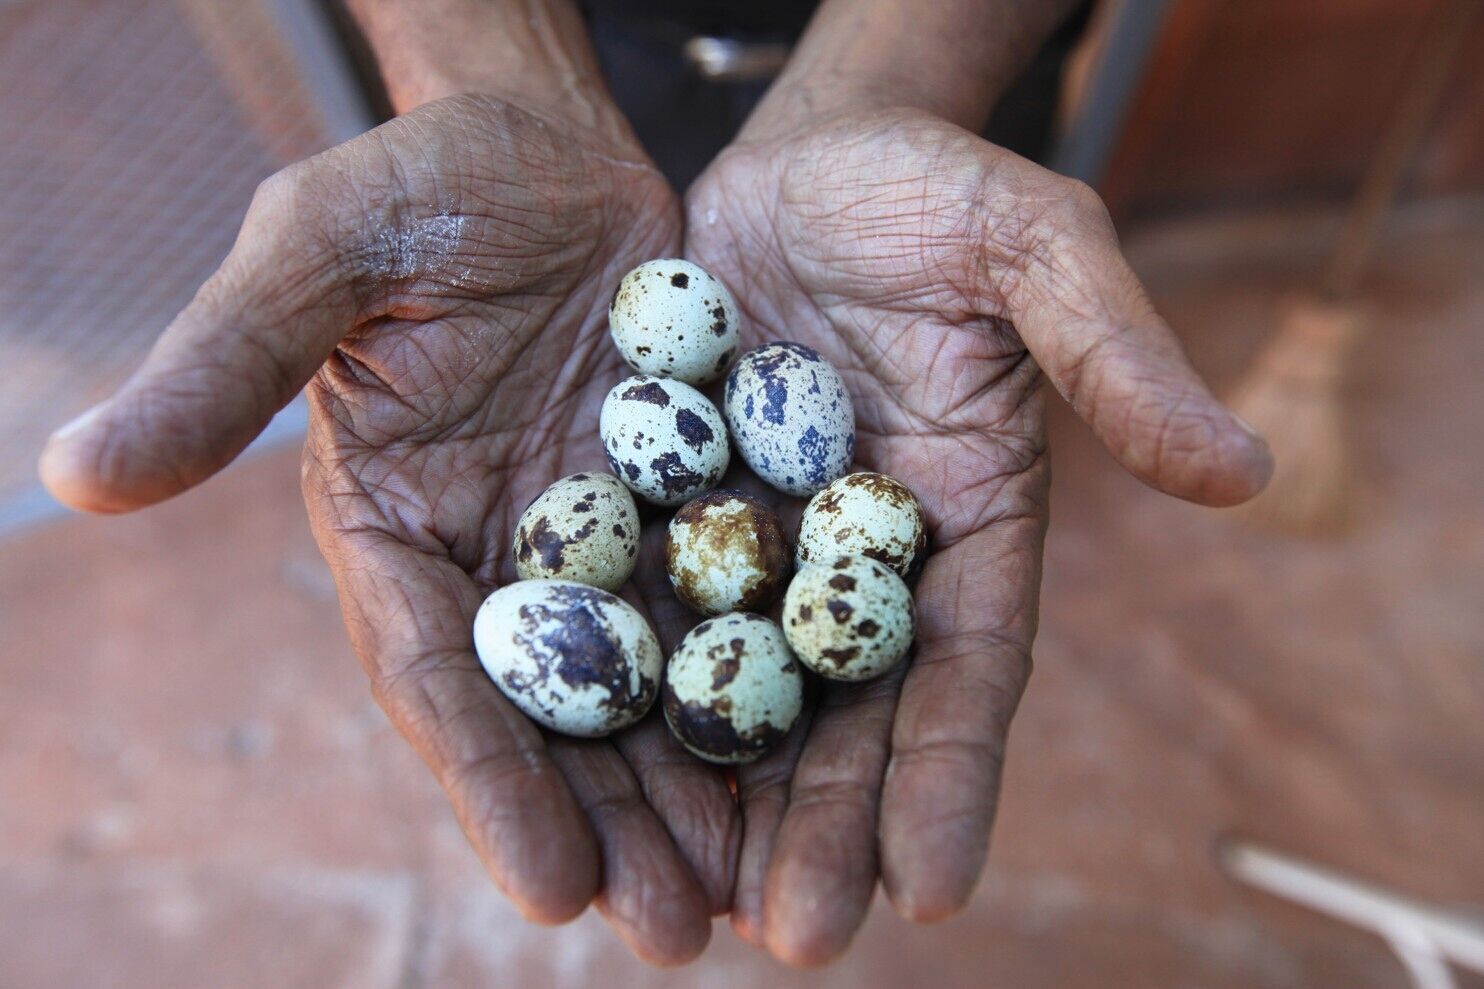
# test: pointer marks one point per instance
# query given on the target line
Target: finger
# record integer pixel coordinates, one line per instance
(649, 894)
(693, 802)
(691, 797)
(762, 792)
(948, 743)
(409, 615)
(249, 340)
(823, 869)
(1088, 322)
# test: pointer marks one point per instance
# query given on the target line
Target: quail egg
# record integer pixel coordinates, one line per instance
(574, 658)
(791, 417)
(725, 552)
(674, 319)
(664, 439)
(584, 528)
(732, 689)
(864, 514)
(849, 618)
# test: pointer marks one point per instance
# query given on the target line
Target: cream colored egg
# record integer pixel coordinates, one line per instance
(673, 319)
(584, 527)
(574, 658)
(732, 689)
(864, 514)
(848, 619)
(664, 440)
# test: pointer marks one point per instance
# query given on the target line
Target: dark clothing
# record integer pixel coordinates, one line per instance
(683, 119)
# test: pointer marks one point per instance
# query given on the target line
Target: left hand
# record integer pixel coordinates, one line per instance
(942, 276)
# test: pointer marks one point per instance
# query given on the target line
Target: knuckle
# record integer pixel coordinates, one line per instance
(281, 189)
(1082, 201)
(616, 804)
(852, 796)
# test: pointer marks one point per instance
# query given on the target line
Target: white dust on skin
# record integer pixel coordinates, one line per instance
(431, 250)
(417, 248)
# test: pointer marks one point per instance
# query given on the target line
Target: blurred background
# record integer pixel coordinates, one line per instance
(196, 789)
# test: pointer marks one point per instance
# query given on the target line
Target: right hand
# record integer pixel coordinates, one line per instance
(443, 280)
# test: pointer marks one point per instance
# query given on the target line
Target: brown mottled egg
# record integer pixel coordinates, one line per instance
(674, 319)
(574, 658)
(732, 689)
(848, 619)
(864, 514)
(725, 552)
(583, 528)
(663, 439)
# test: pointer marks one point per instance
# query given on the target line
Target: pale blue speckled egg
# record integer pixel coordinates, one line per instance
(790, 417)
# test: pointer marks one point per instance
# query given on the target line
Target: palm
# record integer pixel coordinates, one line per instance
(942, 275)
(856, 241)
(434, 424)
(443, 279)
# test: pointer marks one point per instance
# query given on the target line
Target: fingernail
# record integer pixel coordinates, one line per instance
(1247, 427)
(79, 424)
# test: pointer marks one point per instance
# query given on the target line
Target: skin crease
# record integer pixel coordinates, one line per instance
(900, 775)
(444, 280)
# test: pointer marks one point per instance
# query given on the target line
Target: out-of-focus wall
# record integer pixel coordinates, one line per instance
(1257, 101)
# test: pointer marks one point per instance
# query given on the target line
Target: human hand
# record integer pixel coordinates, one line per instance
(445, 280)
(942, 276)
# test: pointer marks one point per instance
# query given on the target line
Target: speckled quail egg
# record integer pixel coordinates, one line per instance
(574, 658)
(732, 689)
(674, 319)
(790, 417)
(725, 552)
(849, 618)
(864, 514)
(664, 439)
(583, 528)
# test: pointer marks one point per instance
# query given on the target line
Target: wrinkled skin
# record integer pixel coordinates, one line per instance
(441, 285)
(901, 247)
(448, 276)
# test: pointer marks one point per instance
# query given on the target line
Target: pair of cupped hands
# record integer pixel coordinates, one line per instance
(439, 286)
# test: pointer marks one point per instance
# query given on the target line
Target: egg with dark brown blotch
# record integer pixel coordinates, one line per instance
(791, 417)
(674, 319)
(584, 527)
(664, 440)
(849, 618)
(732, 689)
(865, 514)
(574, 658)
(725, 552)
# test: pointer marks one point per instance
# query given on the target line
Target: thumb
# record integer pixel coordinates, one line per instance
(251, 338)
(1085, 318)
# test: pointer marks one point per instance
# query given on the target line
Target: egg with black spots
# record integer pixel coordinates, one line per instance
(849, 618)
(864, 514)
(674, 319)
(724, 552)
(664, 440)
(791, 417)
(584, 528)
(732, 689)
(573, 658)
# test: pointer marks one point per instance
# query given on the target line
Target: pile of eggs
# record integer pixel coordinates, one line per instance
(580, 660)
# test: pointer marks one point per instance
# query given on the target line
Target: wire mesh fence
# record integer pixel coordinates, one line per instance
(134, 133)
